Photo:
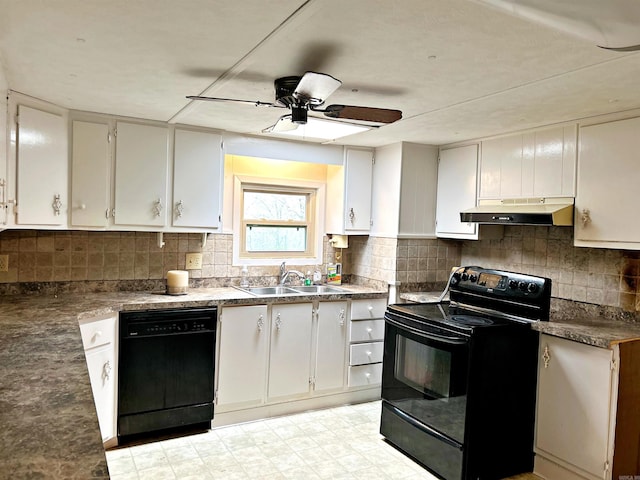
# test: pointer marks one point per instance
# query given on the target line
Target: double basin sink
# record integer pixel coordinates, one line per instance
(281, 290)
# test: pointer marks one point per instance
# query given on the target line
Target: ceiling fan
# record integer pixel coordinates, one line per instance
(307, 94)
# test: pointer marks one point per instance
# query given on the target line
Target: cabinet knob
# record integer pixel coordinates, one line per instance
(370, 308)
(260, 323)
(157, 207)
(367, 375)
(368, 354)
(585, 217)
(352, 216)
(57, 204)
(96, 336)
(546, 356)
(106, 371)
(83, 206)
(341, 317)
(179, 209)
(369, 330)
(278, 321)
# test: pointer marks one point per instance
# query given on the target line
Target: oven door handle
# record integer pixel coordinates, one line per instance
(430, 335)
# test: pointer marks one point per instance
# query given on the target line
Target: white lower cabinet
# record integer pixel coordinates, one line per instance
(576, 404)
(273, 354)
(99, 340)
(242, 362)
(290, 355)
(366, 335)
(331, 342)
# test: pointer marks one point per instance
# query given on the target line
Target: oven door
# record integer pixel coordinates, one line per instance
(424, 392)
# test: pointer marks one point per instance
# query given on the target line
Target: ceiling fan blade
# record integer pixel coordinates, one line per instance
(257, 103)
(284, 124)
(365, 114)
(316, 87)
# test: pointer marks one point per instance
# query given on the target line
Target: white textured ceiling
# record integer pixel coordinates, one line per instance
(457, 69)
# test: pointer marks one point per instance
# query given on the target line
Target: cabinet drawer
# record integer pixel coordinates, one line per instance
(96, 332)
(366, 309)
(367, 330)
(363, 375)
(362, 353)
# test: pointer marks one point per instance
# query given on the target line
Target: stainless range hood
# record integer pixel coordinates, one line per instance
(521, 211)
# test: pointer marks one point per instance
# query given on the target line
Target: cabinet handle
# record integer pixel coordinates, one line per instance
(370, 308)
(96, 335)
(586, 217)
(157, 207)
(546, 356)
(341, 317)
(367, 375)
(57, 204)
(352, 216)
(106, 214)
(106, 371)
(260, 323)
(369, 330)
(179, 209)
(278, 321)
(368, 354)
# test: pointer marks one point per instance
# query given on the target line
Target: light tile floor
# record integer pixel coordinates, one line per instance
(337, 443)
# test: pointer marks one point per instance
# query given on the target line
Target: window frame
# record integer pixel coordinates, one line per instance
(314, 221)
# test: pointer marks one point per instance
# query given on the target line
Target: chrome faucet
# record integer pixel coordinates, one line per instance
(284, 273)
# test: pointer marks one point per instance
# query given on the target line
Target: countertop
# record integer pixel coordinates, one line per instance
(49, 427)
(590, 324)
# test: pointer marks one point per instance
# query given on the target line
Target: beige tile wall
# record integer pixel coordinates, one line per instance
(425, 264)
(599, 276)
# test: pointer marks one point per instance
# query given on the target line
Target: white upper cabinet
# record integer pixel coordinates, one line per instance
(404, 191)
(141, 168)
(457, 187)
(349, 193)
(90, 174)
(607, 184)
(197, 179)
(534, 164)
(42, 168)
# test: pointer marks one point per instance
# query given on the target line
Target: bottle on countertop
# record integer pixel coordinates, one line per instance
(317, 276)
(307, 278)
(244, 281)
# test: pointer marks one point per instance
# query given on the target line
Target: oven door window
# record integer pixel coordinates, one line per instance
(427, 379)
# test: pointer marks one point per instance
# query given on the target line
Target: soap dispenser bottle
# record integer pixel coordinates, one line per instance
(244, 280)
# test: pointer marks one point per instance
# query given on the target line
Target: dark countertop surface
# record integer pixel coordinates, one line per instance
(49, 427)
(586, 323)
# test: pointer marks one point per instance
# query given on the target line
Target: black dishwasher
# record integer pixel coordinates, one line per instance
(165, 369)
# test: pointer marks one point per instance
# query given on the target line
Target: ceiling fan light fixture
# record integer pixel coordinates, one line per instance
(315, 128)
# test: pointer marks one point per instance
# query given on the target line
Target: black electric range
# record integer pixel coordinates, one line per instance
(459, 379)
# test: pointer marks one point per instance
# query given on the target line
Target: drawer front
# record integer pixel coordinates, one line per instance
(98, 332)
(368, 309)
(365, 375)
(362, 353)
(367, 330)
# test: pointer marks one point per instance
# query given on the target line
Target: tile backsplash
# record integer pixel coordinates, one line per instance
(592, 275)
(57, 261)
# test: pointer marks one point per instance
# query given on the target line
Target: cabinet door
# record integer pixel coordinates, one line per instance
(290, 357)
(555, 160)
(42, 168)
(331, 346)
(242, 362)
(358, 176)
(457, 187)
(100, 363)
(197, 179)
(141, 175)
(607, 184)
(573, 413)
(91, 164)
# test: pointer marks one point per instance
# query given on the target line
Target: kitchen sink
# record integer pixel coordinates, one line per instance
(270, 290)
(318, 289)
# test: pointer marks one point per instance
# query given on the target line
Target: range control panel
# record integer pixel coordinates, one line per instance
(499, 283)
(140, 329)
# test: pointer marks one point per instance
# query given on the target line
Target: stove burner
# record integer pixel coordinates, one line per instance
(470, 320)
